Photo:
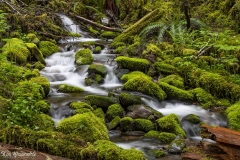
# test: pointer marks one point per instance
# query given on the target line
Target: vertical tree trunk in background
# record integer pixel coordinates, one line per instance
(186, 13)
(112, 7)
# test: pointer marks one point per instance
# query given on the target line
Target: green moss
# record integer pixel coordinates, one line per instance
(174, 80)
(48, 48)
(83, 57)
(16, 51)
(233, 116)
(107, 150)
(4, 105)
(81, 107)
(101, 101)
(126, 99)
(97, 69)
(100, 114)
(113, 111)
(30, 37)
(109, 34)
(174, 92)
(134, 74)
(166, 137)
(171, 124)
(152, 50)
(146, 86)
(133, 48)
(86, 125)
(65, 88)
(97, 49)
(35, 52)
(159, 153)
(74, 34)
(38, 65)
(91, 30)
(164, 68)
(192, 118)
(126, 124)
(44, 122)
(133, 64)
(152, 134)
(43, 82)
(189, 52)
(205, 99)
(114, 123)
(143, 125)
(43, 106)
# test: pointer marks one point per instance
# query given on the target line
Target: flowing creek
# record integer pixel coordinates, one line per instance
(61, 69)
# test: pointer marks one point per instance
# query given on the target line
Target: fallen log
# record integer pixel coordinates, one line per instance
(97, 24)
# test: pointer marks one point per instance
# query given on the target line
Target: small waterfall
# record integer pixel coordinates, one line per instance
(111, 79)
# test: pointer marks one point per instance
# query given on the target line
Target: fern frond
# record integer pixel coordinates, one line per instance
(95, 10)
(75, 6)
(197, 23)
(161, 33)
(153, 27)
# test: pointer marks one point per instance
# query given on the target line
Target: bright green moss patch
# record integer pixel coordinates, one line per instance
(48, 48)
(109, 34)
(165, 137)
(35, 52)
(133, 64)
(126, 124)
(233, 116)
(81, 107)
(143, 125)
(192, 118)
(134, 74)
(107, 150)
(83, 57)
(171, 124)
(97, 69)
(114, 123)
(43, 106)
(146, 86)
(101, 101)
(152, 49)
(127, 99)
(16, 51)
(44, 122)
(164, 68)
(174, 92)
(86, 125)
(152, 134)
(65, 88)
(100, 114)
(174, 80)
(113, 111)
(43, 82)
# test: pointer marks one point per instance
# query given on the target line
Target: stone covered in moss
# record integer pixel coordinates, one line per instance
(171, 124)
(101, 101)
(65, 88)
(127, 99)
(152, 134)
(158, 153)
(48, 48)
(83, 57)
(126, 124)
(81, 107)
(86, 125)
(43, 106)
(97, 49)
(143, 125)
(16, 51)
(35, 52)
(176, 146)
(38, 65)
(191, 118)
(133, 64)
(152, 50)
(113, 111)
(233, 116)
(174, 92)
(146, 86)
(107, 150)
(114, 123)
(109, 34)
(166, 137)
(134, 74)
(44, 122)
(97, 69)
(164, 68)
(174, 80)
(205, 99)
(100, 114)
(43, 82)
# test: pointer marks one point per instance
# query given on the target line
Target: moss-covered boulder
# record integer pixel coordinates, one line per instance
(205, 99)
(152, 49)
(233, 116)
(166, 137)
(145, 86)
(43, 82)
(133, 64)
(107, 150)
(114, 123)
(83, 57)
(65, 88)
(152, 134)
(94, 79)
(176, 93)
(43, 106)
(86, 125)
(16, 51)
(192, 118)
(44, 122)
(174, 80)
(126, 124)
(100, 114)
(171, 124)
(143, 125)
(97, 69)
(113, 111)
(35, 52)
(101, 101)
(177, 146)
(127, 99)
(81, 107)
(139, 111)
(164, 68)
(48, 48)
(134, 74)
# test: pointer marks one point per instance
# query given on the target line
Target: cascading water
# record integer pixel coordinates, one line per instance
(61, 69)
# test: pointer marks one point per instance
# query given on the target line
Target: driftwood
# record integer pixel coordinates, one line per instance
(98, 25)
